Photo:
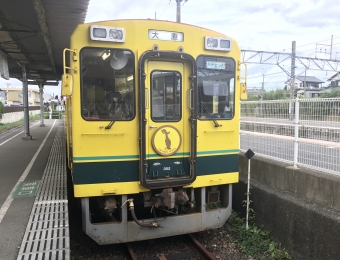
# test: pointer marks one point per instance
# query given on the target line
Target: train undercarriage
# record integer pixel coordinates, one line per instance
(157, 213)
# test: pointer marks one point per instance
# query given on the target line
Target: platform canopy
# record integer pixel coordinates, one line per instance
(34, 33)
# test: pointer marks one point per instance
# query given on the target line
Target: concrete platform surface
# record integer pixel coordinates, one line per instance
(21, 162)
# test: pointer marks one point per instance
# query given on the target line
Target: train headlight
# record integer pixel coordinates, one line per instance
(116, 34)
(107, 33)
(213, 43)
(99, 33)
(217, 43)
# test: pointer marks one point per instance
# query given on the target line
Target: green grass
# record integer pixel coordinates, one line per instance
(9, 126)
(254, 241)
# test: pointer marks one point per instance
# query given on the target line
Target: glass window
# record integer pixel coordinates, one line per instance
(216, 87)
(166, 96)
(107, 84)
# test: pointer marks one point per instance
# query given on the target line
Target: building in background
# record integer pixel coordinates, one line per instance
(14, 97)
(306, 86)
(254, 91)
(334, 80)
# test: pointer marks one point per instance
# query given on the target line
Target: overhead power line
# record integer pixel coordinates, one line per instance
(164, 9)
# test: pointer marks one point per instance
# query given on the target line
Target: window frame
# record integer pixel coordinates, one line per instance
(164, 103)
(229, 92)
(81, 84)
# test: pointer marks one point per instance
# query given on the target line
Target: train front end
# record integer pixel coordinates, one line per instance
(152, 123)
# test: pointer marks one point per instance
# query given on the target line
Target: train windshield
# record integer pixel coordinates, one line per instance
(216, 87)
(107, 84)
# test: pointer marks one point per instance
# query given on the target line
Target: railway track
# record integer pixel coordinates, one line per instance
(193, 250)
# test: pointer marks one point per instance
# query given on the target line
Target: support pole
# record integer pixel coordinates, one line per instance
(249, 154)
(296, 132)
(178, 14)
(292, 81)
(248, 202)
(262, 92)
(41, 91)
(330, 55)
(27, 135)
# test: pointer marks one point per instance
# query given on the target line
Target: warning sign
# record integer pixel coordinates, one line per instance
(26, 189)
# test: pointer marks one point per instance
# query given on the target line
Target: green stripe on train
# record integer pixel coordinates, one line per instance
(122, 157)
(102, 158)
(128, 171)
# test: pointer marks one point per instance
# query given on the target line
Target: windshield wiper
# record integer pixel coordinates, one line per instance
(110, 124)
(210, 115)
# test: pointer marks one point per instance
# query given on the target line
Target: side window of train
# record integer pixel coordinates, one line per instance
(107, 84)
(216, 87)
(166, 96)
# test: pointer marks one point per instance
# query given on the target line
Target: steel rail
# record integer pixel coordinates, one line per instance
(200, 248)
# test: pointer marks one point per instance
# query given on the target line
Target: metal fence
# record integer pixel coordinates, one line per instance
(53, 115)
(303, 132)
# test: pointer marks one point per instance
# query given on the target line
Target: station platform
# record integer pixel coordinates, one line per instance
(33, 193)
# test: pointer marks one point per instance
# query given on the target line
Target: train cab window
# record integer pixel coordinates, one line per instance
(166, 96)
(107, 84)
(216, 87)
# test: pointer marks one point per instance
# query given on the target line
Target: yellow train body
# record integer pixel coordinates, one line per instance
(176, 88)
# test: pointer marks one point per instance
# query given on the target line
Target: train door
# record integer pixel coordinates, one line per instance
(169, 148)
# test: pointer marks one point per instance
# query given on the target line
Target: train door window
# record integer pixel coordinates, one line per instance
(107, 84)
(216, 87)
(166, 96)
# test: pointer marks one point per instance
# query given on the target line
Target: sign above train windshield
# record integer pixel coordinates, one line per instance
(166, 36)
(216, 65)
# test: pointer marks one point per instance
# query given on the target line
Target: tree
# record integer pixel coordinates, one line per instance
(276, 94)
(334, 93)
(253, 97)
(1, 110)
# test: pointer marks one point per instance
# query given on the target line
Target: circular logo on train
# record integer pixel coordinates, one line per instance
(166, 140)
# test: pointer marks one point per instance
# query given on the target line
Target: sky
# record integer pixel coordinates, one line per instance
(260, 25)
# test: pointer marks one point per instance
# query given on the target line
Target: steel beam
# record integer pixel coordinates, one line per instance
(45, 32)
(277, 58)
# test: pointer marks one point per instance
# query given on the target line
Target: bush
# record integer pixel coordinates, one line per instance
(1, 110)
(254, 241)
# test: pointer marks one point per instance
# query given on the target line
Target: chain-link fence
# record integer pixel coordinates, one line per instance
(303, 132)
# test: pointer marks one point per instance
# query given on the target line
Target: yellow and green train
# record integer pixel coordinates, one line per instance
(152, 122)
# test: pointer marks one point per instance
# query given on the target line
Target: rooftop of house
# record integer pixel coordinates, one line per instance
(309, 79)
(336, 76)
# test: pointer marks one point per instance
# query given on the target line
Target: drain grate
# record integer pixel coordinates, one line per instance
(47, 232)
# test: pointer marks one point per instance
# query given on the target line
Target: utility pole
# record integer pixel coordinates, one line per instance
(262, 87)
(305, 83)
(262, 92)
(178, 15)
(292, 81)
(330, 56)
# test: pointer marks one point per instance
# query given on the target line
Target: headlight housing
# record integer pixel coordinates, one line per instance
(217, 43)
(107, 33)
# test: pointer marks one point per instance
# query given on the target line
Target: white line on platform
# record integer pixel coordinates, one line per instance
(16, 135)
(9, 199)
